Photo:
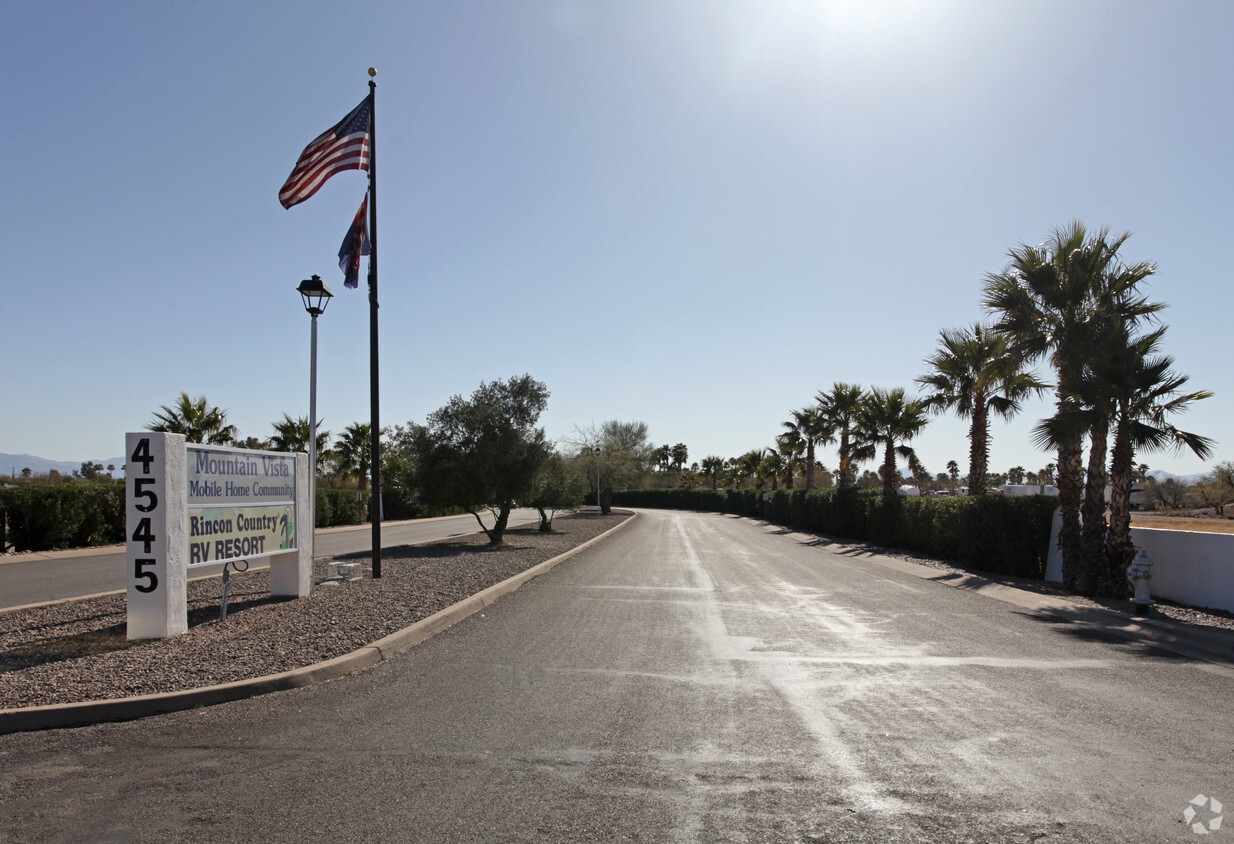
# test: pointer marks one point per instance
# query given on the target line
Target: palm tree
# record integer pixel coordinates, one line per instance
(973, 372)
(953, 472)
(841, 408)
(198, 422)
(713, 465)
(353, 452)
(770, 468)
(889, 419)
(1146, 392)
(1055, 300)
(661, 456)
(790, 445)
(747, 466)
(680, 454)
(293, 435)
(813, 428)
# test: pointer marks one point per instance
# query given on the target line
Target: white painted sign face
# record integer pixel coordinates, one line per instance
(239, 476)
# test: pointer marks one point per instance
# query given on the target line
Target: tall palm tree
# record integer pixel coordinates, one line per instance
(680, 454)
(293, 435)
(1131, 388)
(352, 452)
(662, 455)
(888, 420)
(973, 373)
(814, 428)
(712, 466)
(771, 468)
(194, 418)
(1146, 392)
(841, 408)
(748, 466)
(790, 445)
(1056, 300)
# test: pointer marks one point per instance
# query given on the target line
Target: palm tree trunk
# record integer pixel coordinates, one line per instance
(889, 468)
(1070, 491)
(1119, 549)
(978, 449)
(810, 464)
(1092, 513)
(846, 461)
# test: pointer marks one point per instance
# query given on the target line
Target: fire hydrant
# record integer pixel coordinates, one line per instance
(1138, 575)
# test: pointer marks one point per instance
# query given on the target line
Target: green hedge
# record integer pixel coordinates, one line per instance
(1000, 534)
(341, 507)
(43, 517)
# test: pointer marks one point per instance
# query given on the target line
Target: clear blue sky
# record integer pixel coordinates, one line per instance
(696, 214)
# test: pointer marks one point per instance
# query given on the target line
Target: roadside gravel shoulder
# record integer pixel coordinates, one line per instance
(78, 651)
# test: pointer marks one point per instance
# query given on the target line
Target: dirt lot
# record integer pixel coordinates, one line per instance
(1184, 521)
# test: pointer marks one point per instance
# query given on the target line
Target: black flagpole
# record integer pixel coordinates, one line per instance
(375, 433)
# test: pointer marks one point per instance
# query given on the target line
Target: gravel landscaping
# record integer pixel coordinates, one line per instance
(78, 651)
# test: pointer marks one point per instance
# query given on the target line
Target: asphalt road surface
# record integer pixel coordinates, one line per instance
(695, 678)
(34, 578)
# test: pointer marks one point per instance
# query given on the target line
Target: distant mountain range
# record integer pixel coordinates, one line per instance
(1182, 479)
(12, 464)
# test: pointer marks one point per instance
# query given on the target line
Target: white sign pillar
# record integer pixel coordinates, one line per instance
(156, 496)
(193, 510)
(292, 573)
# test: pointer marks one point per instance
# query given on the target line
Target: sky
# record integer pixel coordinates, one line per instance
(693, 213)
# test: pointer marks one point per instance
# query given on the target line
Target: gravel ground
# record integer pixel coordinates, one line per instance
(79, 651)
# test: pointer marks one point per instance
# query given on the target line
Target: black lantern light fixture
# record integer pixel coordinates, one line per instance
(316, 295)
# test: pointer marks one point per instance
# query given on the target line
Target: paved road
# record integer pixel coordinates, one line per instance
(696, 678)
(34, 578)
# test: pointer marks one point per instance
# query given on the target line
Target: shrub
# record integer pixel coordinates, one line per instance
(1003, 535)
(43, 517)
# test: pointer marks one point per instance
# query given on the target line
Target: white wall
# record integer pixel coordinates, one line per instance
(1189, 567)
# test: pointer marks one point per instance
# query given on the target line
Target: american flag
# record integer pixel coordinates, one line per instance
(355, 244)
(344, 146)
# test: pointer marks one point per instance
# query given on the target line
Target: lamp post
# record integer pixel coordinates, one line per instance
(599, 499)
(316, 295)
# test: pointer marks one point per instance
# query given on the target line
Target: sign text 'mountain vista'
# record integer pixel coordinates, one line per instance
(228, 477)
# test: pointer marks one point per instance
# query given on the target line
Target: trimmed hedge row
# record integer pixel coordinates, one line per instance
(341, 507)
(41, 517)
(45, 517)
(1000, 534)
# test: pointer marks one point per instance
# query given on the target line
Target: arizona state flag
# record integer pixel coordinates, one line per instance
(354, 245)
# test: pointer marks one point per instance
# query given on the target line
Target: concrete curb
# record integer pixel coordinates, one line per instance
(127, 709)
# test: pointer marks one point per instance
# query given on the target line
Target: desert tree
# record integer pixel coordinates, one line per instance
(484, 452)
